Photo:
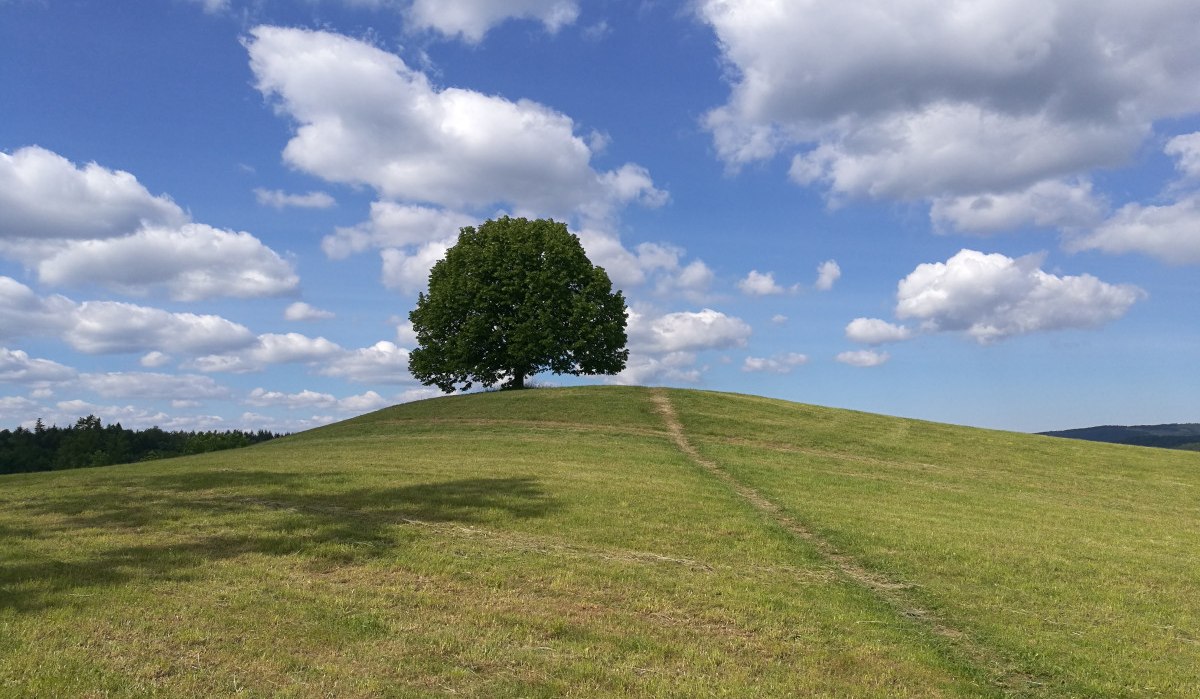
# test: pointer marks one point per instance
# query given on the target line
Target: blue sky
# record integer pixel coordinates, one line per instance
(217, 214)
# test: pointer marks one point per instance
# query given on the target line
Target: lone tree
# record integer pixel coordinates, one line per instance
(511, 299)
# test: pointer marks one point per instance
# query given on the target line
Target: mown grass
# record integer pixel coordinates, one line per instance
(1075, 560)
(558, 543)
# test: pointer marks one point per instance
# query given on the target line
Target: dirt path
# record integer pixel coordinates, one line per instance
(1001, 672)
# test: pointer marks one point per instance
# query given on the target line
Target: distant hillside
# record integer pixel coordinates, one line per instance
(1174, 436)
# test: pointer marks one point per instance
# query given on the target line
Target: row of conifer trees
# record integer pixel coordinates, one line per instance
(90, 443)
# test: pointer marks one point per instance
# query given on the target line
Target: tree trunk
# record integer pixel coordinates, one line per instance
(517, 382)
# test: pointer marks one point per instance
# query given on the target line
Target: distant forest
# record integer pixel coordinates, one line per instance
(1174, 436)
(89, 443)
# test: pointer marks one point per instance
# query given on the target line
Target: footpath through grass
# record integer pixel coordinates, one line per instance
(560, 543)
(1075, 561)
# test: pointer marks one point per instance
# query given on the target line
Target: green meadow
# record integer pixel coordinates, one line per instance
(609, 541)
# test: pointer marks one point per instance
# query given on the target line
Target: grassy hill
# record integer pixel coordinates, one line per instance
(610, 541)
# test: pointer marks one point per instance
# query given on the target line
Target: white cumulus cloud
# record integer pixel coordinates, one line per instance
(303, 311)
(406, 334)
(914, 99)
(280, 200)
(306, 399)
(760, 284)
(991, 297)
(863, 358)
(778, 364)
(363, 402)
(17, 409)
(1170, 232)
(472, 19)
(1047, 204)
(17, 366)
(383, 362)
(185, 387)
(645, 369)
(270, 349)
(91, 225)
(190, 263)
(691, 280)
(686, 331)
(659, 263)
(213, 7)
(101, 327)
(154, 359)
(25, 314)
(828, 272)
(409, 272)
(873, 331)
(1186, 150)
(44, 195)
(394, 225)
(365, 117)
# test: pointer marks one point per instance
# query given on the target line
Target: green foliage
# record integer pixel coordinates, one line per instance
(511, 299)
(89, 443)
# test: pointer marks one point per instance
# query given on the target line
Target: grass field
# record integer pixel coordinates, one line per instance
(610, 542)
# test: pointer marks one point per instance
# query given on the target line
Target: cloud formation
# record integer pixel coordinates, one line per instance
(912, 100)
(118, 384)
(760, 284)
(106, 327)
(302, 311)
(409, 271)
(91, 225)
(444, 158)
(384, 362)
(393, 225)
(270, 349)
(686, 331)
(1168, 231)
(659, 264)
(863, 358)
(664, 347)
(189, 263)
(110, 327)
(778, 364)
(991, 297)
(873, 331)
(279, 199)
(1186, 150)
(17, 366)
(306, 400)
(828, 272)
(44, 195)
(472, 19)
(365, 117)
(1061, 204)
(644, 369)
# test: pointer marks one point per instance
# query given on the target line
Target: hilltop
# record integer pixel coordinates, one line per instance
(610, 541)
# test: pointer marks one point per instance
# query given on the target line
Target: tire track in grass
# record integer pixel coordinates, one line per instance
(1001, 672)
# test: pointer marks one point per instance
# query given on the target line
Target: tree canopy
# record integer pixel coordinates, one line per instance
(90, 443)
(513, 298)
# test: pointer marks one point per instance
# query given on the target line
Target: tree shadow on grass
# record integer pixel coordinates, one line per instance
(268, 512)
